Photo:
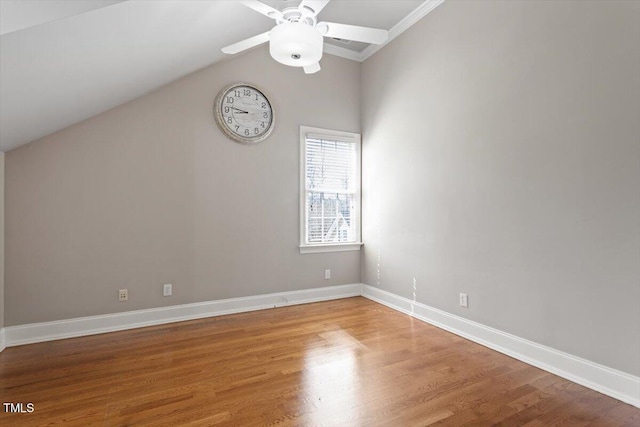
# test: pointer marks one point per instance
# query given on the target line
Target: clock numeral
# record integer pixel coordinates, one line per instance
(237, 127)
(265, 115)
(246, 132)
(226, 109)
(264, 105)
(236, 93)
(247, 92)
(229, 119)
(256, 96)
(256, 131)
(229, 100)
(262, 124)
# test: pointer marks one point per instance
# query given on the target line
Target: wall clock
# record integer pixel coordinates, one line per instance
(244, 113)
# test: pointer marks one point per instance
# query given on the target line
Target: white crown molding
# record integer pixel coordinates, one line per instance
(614, 383)
(402, 26)
(414, 16)
(3, 342)
(82, 326)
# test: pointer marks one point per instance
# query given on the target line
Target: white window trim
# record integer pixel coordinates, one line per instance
(330, 134)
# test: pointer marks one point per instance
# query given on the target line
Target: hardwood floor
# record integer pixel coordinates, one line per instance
(349, 362)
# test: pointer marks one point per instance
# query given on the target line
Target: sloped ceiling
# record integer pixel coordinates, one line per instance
(63, 61)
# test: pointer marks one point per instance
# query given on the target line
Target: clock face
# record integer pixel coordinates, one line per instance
(244, 113)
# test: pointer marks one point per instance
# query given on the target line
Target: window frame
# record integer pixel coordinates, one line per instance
(333, 135)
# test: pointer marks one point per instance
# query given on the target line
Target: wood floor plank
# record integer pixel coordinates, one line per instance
(349, 362)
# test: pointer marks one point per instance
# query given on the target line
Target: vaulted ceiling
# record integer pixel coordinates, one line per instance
(63, 61)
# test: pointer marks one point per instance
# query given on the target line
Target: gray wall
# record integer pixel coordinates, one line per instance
(1, 239)
(152, 193)
(501, 158)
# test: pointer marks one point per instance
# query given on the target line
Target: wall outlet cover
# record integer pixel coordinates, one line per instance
(464, 300)
(167, 290)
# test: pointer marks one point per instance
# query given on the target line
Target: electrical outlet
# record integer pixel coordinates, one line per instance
(464, 300)
(167, 290)
(327, 274)
(123, 295)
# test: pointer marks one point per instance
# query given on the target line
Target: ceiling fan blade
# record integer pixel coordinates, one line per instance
(353, 32)
(262, 8)
(312, 7)
(313, 68)
(246, 43)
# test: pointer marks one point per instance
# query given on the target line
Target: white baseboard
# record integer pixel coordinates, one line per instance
(48, 331)
(614, 383)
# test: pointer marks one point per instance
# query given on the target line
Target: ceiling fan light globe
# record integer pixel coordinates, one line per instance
(295, 44)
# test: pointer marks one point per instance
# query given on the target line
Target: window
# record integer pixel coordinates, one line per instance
(329, 190)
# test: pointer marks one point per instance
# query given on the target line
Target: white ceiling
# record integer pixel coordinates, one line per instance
(63, 61)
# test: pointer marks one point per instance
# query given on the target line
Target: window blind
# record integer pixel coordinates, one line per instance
(331, 190)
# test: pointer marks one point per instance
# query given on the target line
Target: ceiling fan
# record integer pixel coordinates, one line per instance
(296, 40)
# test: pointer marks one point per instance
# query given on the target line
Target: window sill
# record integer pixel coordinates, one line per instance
(338, 247)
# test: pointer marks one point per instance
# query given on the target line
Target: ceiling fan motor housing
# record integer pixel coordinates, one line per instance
(295, 44)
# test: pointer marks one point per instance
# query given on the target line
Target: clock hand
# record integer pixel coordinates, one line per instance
(241, 111)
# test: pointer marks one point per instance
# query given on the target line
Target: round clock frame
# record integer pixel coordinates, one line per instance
(231, 118)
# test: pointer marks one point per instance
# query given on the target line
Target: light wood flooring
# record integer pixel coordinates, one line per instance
(349, 362)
